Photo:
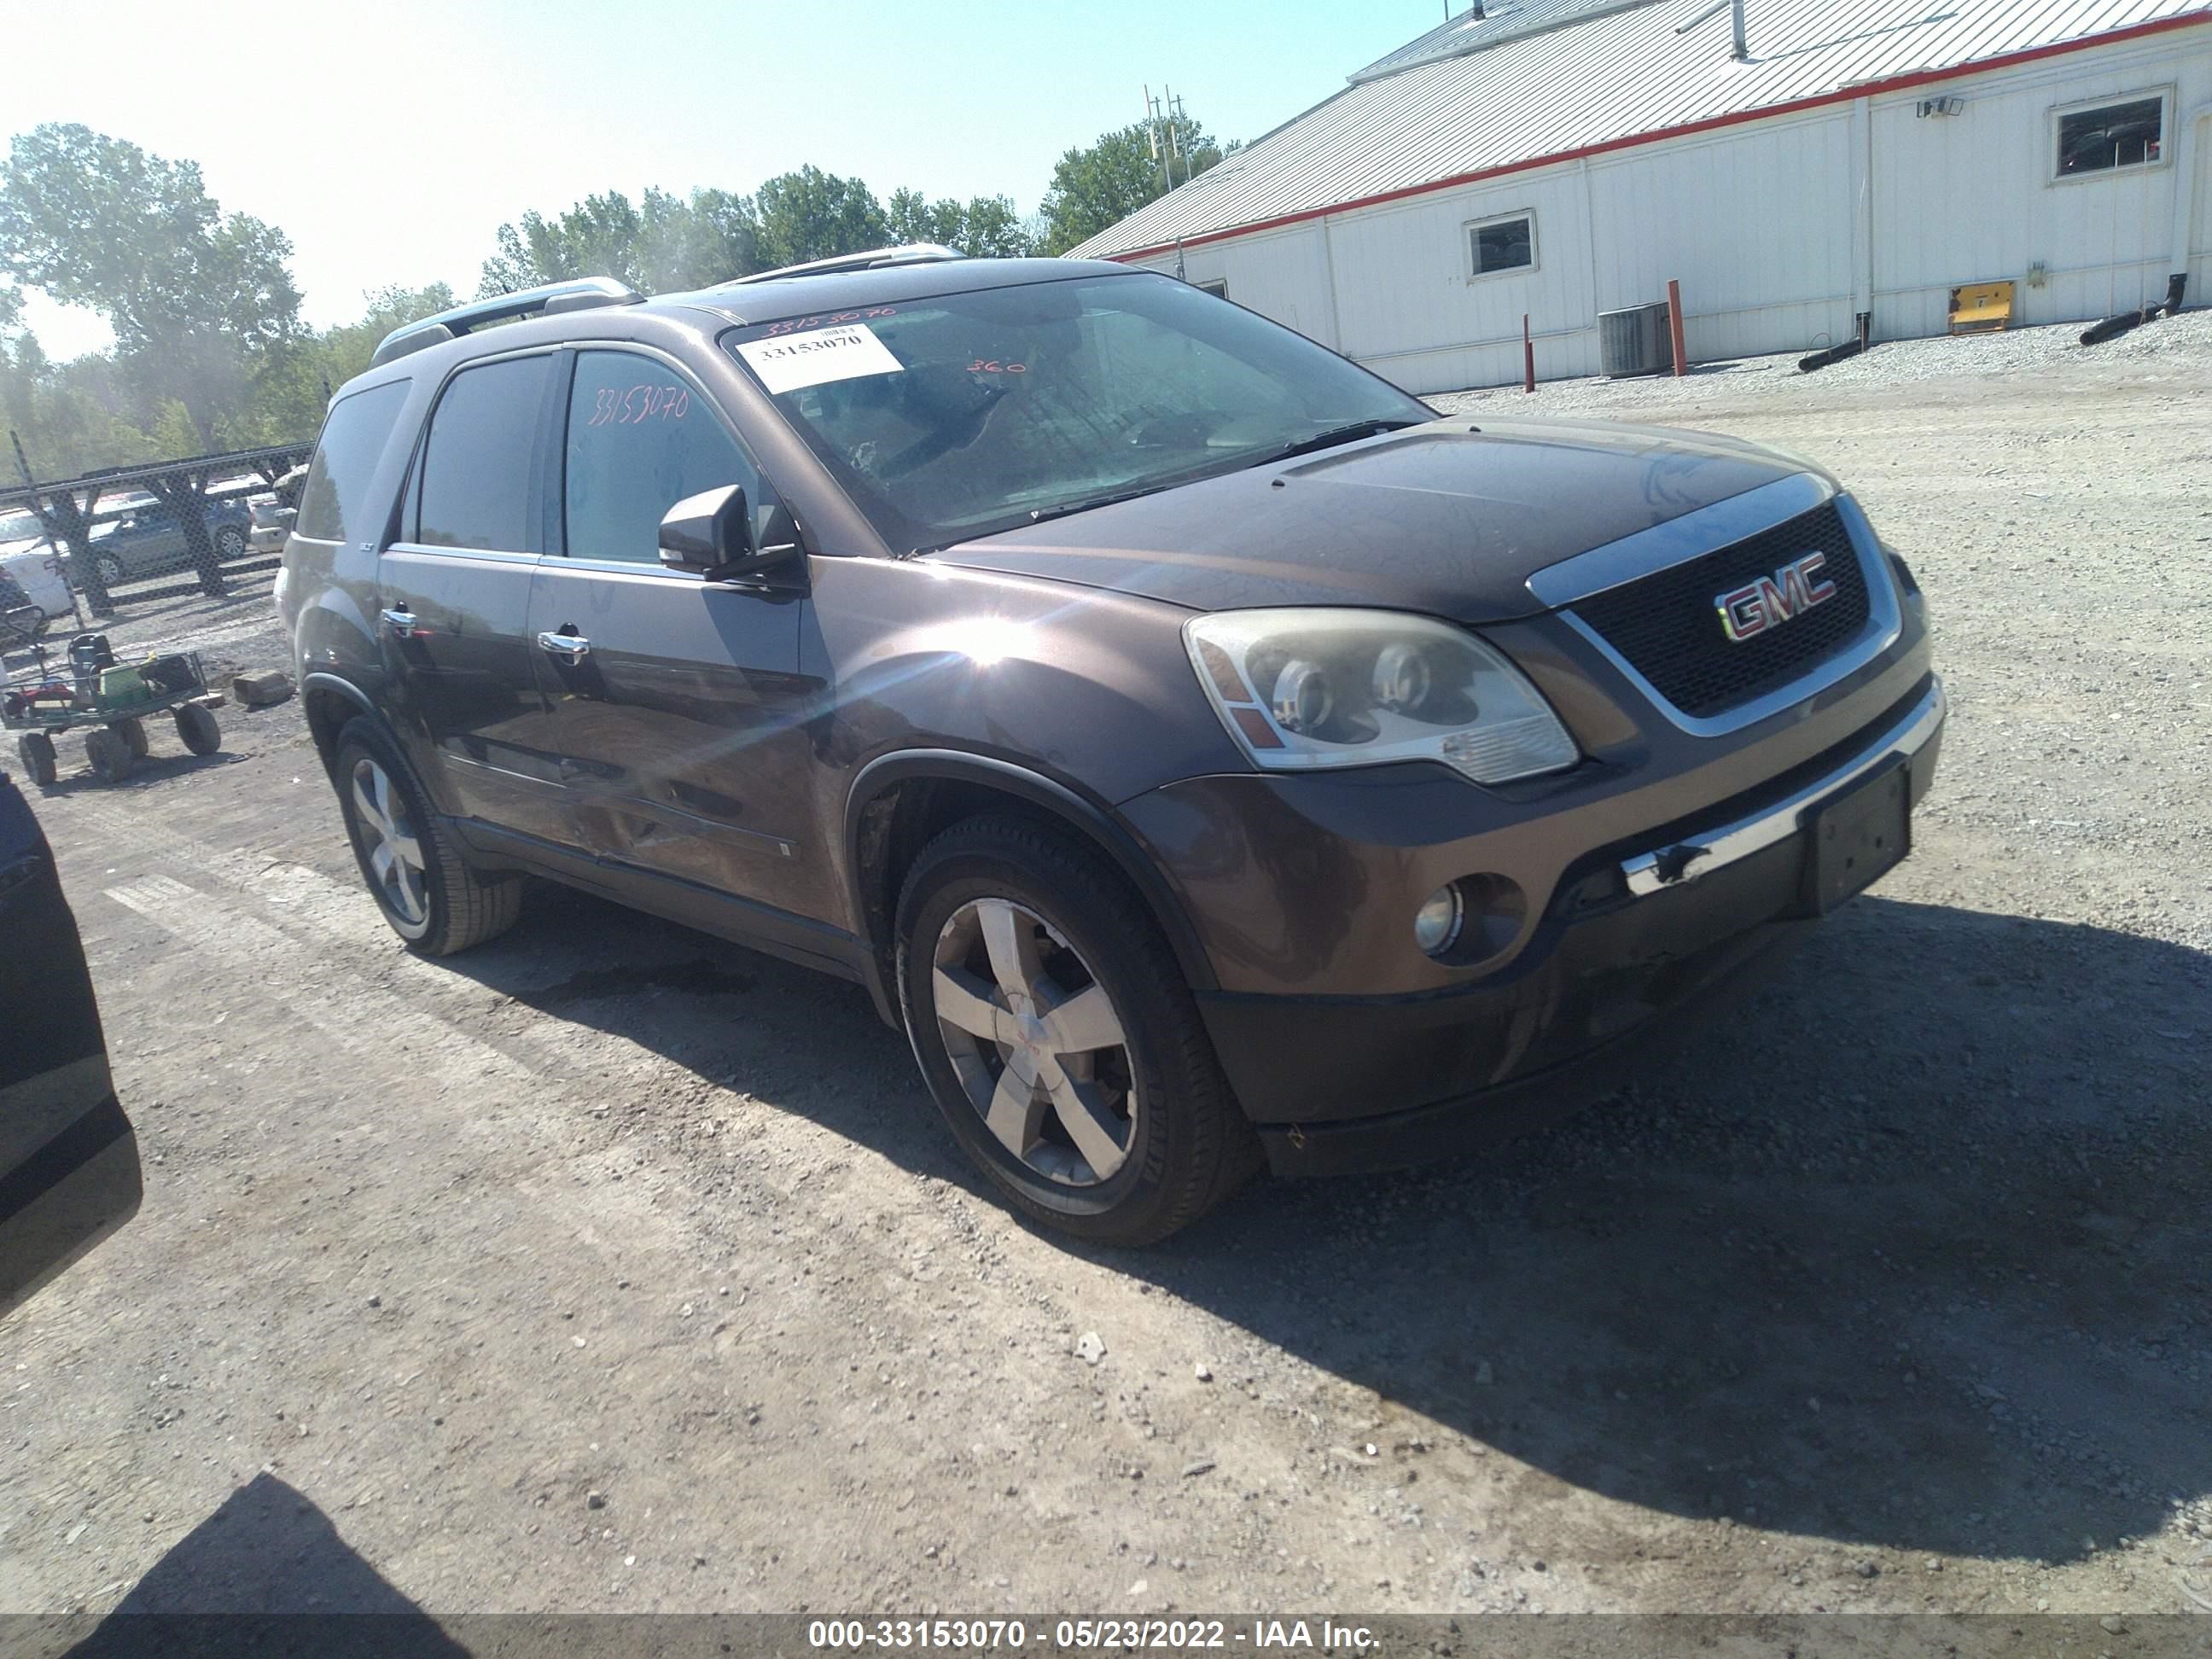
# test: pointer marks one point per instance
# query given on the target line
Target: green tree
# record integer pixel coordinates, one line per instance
(1099, 185)
(295, 384)
(660, 244)
(812, 214)
(987, 226)
(197, 298)
(61, 413)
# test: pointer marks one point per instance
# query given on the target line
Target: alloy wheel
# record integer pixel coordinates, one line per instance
(389, 842)
(1036, 1041)
(109, 568)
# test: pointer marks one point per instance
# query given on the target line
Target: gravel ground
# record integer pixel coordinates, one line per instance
(611, 1267)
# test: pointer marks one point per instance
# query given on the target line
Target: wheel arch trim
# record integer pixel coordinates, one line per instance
(312, 686)
(1094, 822)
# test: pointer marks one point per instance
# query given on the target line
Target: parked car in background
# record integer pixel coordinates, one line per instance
(32, 581)
(273, 514)
(150, 541)
(68, 1159)
(20, 531)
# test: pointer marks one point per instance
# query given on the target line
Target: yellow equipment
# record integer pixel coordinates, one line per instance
(1978, 308)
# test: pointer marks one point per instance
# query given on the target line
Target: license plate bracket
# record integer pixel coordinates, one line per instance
(1857, 837)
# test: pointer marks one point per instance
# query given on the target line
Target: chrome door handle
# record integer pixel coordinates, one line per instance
(568, 647)
(401, 623)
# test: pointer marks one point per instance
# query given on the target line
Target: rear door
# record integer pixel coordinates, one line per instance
(678, 702)
(454, 599)
(68, 1161)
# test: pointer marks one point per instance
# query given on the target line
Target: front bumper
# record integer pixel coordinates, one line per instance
(1636, 939)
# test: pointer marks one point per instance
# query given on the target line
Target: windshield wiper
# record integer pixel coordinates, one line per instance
(1038, 515)
(1335, 435)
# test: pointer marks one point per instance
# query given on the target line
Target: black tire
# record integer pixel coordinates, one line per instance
(459, 908)
(110, 570)
(36, 752)
(1187, 1143)
(230, 542)
(196, 730)
(109, 754)
(134, 734)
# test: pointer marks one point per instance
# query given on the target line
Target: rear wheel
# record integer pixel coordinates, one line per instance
(428, 893)
(109, 755)
(1056, 1033)
(36, 750)
(230, 542)
(197, 729)
(109, 568)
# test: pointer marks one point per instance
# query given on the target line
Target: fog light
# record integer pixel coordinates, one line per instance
(1436, 923)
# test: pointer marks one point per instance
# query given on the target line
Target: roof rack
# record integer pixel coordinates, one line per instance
(912, 253)
(581, 295)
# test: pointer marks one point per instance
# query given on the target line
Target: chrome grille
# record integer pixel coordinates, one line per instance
(1666, 626)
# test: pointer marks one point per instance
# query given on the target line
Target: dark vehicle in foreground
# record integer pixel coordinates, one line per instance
(1202, 752)
(69, 1160)
(151, 541)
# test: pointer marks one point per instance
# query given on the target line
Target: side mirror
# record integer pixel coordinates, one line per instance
(710, 535)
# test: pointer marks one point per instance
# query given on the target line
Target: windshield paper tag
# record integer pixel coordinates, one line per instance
(793, 361)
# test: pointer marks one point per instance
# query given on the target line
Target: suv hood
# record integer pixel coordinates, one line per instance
(1450, 518)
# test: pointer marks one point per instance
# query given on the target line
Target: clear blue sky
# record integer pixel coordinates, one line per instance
(389, 141)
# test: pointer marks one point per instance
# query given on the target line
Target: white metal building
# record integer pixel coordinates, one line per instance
(1561, 158)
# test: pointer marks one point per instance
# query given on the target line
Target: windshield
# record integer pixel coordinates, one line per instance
(958, 415)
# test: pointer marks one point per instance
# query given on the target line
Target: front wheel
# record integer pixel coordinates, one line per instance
(428, 893)
(134, 734)
(109, 568)
(229, 543)
(1053, 1025)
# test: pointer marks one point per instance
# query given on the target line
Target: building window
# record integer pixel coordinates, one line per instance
(1218, 287)
(2106, 137)
(1504, 244)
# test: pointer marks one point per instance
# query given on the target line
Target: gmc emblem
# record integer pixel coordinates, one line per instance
(1772, 600)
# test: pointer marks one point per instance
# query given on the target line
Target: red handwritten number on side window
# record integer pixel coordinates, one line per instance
(637, 405)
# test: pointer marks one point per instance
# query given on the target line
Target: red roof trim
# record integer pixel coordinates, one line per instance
(1844, 95)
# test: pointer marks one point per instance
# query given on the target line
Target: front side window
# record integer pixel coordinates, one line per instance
(354, 431)
(1507, 244)
(2111, 135)
(639, 440)
(956, 416)
(478, 482)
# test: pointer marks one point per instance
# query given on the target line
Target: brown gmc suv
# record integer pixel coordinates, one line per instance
(1207, 755)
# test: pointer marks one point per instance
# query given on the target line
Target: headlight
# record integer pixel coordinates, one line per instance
(1301, 690)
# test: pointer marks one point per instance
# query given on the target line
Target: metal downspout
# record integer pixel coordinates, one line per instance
(2187, 161)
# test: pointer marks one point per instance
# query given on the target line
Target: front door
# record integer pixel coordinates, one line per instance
(453, 598)
(677, 703)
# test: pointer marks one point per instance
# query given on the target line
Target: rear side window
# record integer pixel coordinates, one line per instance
(336, 493)
(639, 440)
(479, 482)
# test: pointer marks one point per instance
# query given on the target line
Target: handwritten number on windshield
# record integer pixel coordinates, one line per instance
(794, 325)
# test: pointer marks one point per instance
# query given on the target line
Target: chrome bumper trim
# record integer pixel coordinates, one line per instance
(1688, 860)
